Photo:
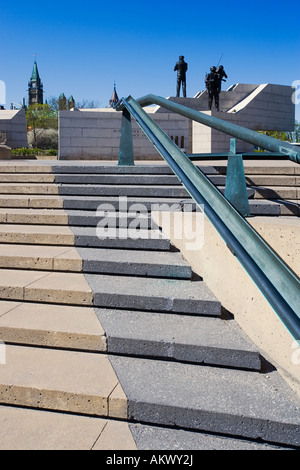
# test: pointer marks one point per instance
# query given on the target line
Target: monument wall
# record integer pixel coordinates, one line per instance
(13, 123)
(95, 133)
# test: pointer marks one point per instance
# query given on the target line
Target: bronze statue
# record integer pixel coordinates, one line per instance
(212, 83)
(221, 72)
(181, 67)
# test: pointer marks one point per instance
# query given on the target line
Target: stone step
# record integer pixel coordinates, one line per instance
(192, 339)
(28, 429)
(125, 292)
(40, 257)
(143, 240)
(32, 188)
(94, 260)
(130, 191)
(32, 201)
(51, 325)
(184, 338)
(36, 234)
(123, 190)
(153, 294)
(134, 263)
(42, 286)
(34, 216)
(276, 192)
(123, 179)
(211, 399)
(27, 178)
(69, 381)
(273, 180)
(83, 237)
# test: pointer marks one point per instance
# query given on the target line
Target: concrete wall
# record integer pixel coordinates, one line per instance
(227, 279)
(95, 134)
(13, 123)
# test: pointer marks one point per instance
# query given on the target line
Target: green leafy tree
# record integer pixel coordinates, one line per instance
(40, 117)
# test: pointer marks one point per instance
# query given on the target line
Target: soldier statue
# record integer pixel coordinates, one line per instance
(181, 67)
(221, 72)
(212, 83)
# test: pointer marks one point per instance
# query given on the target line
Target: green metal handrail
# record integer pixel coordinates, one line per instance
(279, 284)
(242, 133)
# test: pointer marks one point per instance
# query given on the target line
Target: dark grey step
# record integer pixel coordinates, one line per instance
(157, 438)
(151, 294)
(209, 399)
(123, 190)
(93, 218)
(146, 239)
(135, 179)
(129, 204)
(182, 338)
(139, 169)
(135, 263)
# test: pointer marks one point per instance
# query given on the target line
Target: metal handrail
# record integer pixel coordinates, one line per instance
(264, 141)
(278, 283)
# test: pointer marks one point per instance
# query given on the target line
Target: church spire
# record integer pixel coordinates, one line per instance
(114, 98)
(35, 86)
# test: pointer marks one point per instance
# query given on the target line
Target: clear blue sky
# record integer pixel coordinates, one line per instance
(82, 47)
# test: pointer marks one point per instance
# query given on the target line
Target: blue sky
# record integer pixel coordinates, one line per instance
(83, 47)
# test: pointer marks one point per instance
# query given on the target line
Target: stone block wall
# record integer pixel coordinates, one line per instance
(95, 134)
(13, 123)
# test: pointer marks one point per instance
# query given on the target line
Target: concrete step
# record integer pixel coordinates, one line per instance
(273, 180)
(40, 257)
(94, 260)
(211, 399)
(34, 216)
(123, 190)
(129, 179)
(134, 263)
(28, 429)
(32, 201)
(36, 234)
(69, 381)
(51, 325)
(42, 286)
(150, 294)
(144, 240)
(276, 192)
(192, 339)
(32, 188)
(27, 177)
(183, 338)
(130, 191)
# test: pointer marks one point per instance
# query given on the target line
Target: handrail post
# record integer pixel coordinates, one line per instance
(126, 156)
(235, 186)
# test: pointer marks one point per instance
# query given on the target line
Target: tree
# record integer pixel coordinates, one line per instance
(40, 117)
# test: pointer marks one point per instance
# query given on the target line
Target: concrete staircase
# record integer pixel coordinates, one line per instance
(115, 343)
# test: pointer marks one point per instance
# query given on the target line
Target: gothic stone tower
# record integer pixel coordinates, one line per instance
(35, 87)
